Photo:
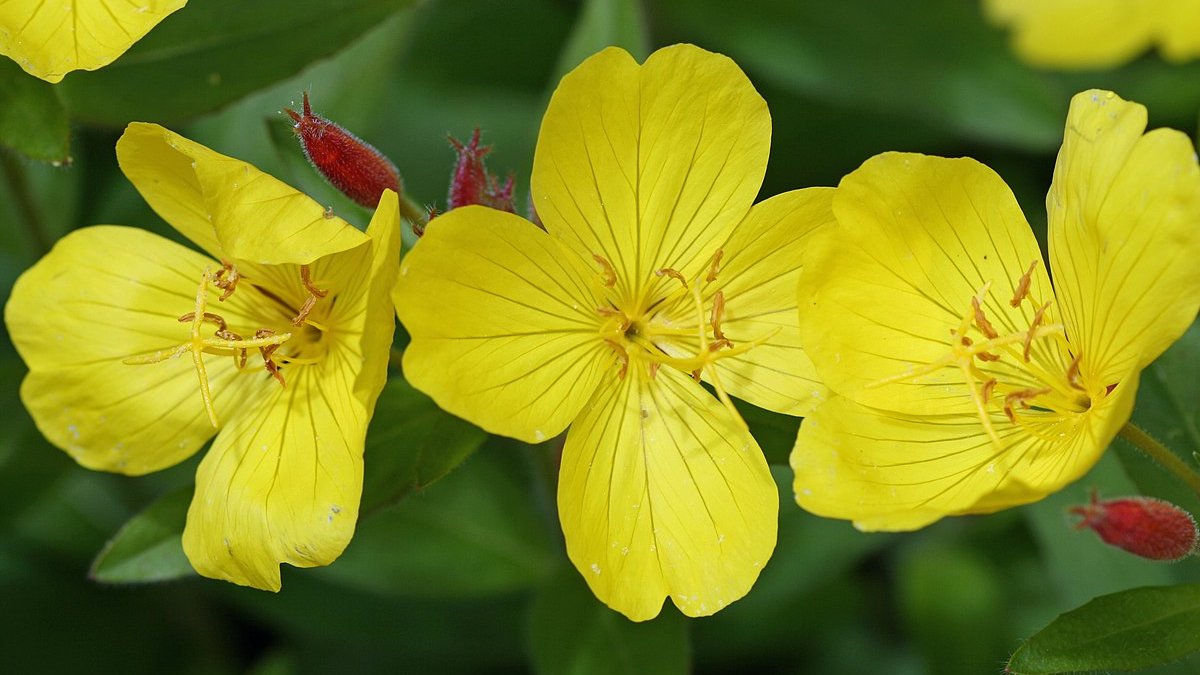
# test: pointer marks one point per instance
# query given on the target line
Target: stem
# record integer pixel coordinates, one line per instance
(29, 214)
(1161, 454)
(413, 212)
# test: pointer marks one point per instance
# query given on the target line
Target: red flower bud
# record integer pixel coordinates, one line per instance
(1144, 526)
(350, 164)
(471, 183)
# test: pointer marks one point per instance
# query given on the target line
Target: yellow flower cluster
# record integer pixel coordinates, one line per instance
(907, 314)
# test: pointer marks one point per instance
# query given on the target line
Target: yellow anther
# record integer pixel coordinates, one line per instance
(1037, 320)
(622, 356)
(988, 388)
(718, 313)
(606, 269)
(227, 284)
(1021, 398)
(981, 321)
(314, 294)
(674, 274)
(1023, 286)
(714, 266)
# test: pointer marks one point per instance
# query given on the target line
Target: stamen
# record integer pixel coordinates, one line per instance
(208, 316)
(981, 321)
(968, 372)
(674, 274)
(227, 284)
(239, 355)
(714, 266)
(1021, 397)
(1023, 287)
(1037, 319)
(652, 368)
(988, 388)
(266, 350)
(606, 268)
(622, 356)
(314, 294)
(987, 356)
(718, 313)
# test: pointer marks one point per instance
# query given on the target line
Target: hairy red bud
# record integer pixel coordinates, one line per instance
(471, 183)
(349, 163)
(1144, 526)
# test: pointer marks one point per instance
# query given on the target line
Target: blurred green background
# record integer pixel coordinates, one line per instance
(468, 574)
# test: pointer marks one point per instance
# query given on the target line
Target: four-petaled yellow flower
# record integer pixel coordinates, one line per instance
(1098, 33)
(964, 382)
(653, 272)
(140, 349)
(50, 39)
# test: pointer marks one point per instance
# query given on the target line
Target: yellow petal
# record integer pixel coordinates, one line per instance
(916, 238)
(1124, 217)
(50, 39)
(283, 482)
(101, 295)
(1078, 33)
(503, 321)
(891, 471)
(662, 493)
(226, 206)
(650, 166)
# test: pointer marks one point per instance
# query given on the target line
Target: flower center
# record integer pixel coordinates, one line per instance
(635, 332)
(1021, 373)
(304, 344)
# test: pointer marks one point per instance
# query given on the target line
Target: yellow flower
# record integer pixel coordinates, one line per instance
(653, 267)
(1098, 33)
(964, 382)
(50, 39)
(140, 349)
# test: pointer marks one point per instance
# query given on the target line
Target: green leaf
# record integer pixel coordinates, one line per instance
(932, 60)
(1128, 630)
(149, 547)
(216, 51)
(411, 444)
(32, 119)
(572, 633)
(604, 23)
(476, 533)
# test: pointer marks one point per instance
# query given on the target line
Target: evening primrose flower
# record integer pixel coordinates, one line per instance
(1098, 33)
(50, 39)
(965, 382)
(140, 350)
(653, 272)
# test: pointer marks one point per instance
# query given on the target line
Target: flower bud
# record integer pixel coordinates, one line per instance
(350, 164)
(1144, 526)
(471, 183)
